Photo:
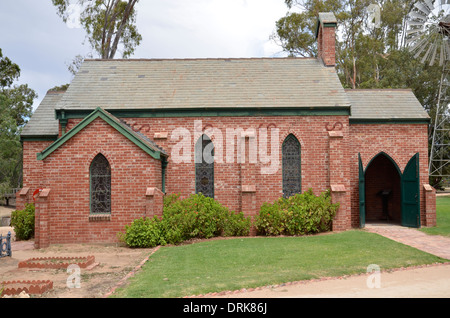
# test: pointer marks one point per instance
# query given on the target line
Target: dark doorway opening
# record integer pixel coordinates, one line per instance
(383, 200)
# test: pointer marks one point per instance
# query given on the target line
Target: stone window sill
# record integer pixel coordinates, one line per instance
(99, 217)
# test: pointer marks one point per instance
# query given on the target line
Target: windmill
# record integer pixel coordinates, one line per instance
(428, 38)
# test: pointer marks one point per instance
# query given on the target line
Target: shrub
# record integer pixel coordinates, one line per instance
(300, 214)
(196, 216)
(235, 224)
(23, 222)
(170, 198)
(143, 232)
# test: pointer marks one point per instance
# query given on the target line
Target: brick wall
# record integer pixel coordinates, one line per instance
(400, 141)
(329, 160)
(66, 173)
(232, 179)
(240, 186)
(32, 169)
(326, 45)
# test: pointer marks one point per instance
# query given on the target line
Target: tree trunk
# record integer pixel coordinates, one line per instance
(125, 17)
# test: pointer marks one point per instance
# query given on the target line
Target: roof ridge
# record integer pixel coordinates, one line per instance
(377, 89)
(201, 59)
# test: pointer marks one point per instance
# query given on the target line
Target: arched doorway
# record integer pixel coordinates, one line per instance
(387, 195)
(383, 190)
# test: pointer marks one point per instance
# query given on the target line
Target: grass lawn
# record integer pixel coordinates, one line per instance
(217, 265)
(442, 218)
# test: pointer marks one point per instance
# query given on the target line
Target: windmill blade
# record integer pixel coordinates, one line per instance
(419, 43)
(418, 16)
(422, 48)
(422, 7)
(441, 56)
(412, 31)
(444, 52)
(425, 57)
(430, 5)
(416, 23)
(447, 50)
(433, 57)
(414, 39)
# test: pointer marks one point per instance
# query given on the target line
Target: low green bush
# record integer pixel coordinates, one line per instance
(143, 232)
(300, 214)
(196, 216)
(23, 222)
(235, 224)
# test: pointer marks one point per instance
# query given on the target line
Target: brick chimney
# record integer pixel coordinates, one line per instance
(326, 38)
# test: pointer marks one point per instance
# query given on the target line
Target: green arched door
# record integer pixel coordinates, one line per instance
(411, 193)
(362, 194)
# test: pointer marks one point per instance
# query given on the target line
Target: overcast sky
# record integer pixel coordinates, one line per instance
(34, 36)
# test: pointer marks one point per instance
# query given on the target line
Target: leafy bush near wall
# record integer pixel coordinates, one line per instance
(196, 216)
(170, 198)
(300, 214)
(143, 232)
(23, 222)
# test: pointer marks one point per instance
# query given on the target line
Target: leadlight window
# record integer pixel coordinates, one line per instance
(204, 167)
(291, 160)
(100, 182)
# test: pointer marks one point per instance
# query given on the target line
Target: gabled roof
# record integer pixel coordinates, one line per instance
(137, 138)
(43, 121)
(385, 104)
(212, 84)
(244, 83)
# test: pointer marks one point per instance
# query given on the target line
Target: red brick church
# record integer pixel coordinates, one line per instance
(243, 131)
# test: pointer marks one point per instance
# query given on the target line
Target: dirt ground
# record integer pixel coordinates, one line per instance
(115, 262)
(427, 282)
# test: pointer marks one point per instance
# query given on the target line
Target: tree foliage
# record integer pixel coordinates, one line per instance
(108, 24)
(365, 57)
(16, 103)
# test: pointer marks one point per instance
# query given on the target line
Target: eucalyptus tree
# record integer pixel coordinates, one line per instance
(107, 23)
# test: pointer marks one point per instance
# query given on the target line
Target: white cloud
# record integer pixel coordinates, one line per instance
(73, 16)
(42, 45)
(207, 28)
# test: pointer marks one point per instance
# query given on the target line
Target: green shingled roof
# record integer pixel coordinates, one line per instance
(204, 83)
(385, 104)
(208, 84)
(43, 122)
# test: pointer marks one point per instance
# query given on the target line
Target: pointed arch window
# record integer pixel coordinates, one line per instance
(204, 166)
(291, 161)
(100, 185)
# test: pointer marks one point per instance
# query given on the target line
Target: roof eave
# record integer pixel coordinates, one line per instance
(100, 113)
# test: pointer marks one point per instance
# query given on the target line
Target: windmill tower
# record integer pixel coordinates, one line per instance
(428, 38)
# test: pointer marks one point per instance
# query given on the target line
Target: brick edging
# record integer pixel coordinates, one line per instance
(243, 290)
(130, 274)
(28, 286)
(29, 262)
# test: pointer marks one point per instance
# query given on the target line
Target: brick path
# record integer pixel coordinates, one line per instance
(433, 244)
